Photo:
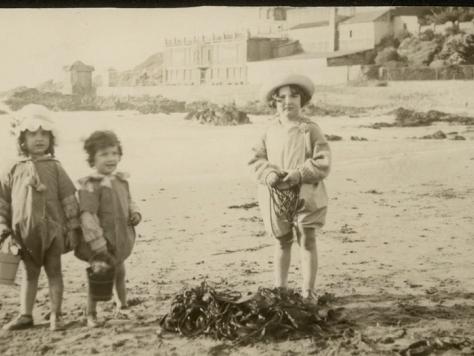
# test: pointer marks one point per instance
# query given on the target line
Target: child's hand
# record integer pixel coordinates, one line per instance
(104, 257)
(74, 236)
(4, 232)
(135, 218)
(292, 178)
(272, 179)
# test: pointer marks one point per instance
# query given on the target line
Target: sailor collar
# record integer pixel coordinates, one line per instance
(106, 180)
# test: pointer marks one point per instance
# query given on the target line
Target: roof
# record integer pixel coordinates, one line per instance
(323, 23)
(365, 17)
(411, 10)
(310, 24)
(314, 55)
(78, 65)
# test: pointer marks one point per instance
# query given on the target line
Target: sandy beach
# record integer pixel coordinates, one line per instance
(396, 250)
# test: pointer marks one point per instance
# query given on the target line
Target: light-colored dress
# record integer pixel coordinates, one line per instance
(37, 202)
(298, 145)
(106, 206)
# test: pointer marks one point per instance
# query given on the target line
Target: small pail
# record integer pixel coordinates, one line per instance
(101, 284)
(8, 267)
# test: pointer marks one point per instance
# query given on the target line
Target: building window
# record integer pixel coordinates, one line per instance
(227, 72)
(350, 34)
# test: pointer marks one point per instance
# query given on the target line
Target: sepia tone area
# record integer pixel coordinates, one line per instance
(396, 251)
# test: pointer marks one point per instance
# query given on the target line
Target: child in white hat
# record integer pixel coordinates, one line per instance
(293, 154)
(39, 211)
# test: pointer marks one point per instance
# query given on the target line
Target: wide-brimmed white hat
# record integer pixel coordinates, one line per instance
(32, 117)
(289, 79)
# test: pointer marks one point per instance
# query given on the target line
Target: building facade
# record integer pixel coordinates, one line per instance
(218, 59)
(272, 20)
(364, 30)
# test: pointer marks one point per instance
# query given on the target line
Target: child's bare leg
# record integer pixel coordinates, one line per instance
(120, 288)
(91, 311)
(309, 258)
(29, 286)
(52, 266)
(91, 305)
(282, 260)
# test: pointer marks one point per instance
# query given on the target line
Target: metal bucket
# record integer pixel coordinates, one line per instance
(101, 284)
(8, 267)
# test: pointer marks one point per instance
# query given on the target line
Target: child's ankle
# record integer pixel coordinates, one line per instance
(55, 315)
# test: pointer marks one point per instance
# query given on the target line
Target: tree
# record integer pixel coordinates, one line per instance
(439, 15)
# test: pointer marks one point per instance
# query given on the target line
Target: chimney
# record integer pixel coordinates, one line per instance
(332, 29)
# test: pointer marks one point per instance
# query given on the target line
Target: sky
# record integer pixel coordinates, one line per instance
(35, 44)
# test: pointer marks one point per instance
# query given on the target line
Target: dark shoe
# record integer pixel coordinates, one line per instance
(19, 323)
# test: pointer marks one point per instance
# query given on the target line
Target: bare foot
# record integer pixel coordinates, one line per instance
(56, 323)
(92, 321)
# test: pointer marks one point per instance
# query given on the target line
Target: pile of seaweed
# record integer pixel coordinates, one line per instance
(219, 115)
(411, 118)
(268, 315)
(440, 135)
(323, 109)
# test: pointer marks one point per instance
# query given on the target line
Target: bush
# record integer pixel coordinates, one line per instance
(388, 41)
(369, 72)
(369, 56)
(418, 52)
(458, 49)
(52, 100)
(451, 31)
(427, 35)
(437, 63)
(395, 64)
(402, 36)
(386, 55)
(61, 102)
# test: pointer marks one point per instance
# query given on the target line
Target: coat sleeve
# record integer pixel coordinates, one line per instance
(132, 205)
(89, 206)
(68, 199)
(259, 164)
(5, 199)
(317, 166)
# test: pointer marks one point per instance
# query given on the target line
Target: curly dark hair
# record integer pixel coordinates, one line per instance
(295, 89)
(22, 144)
(99, 140)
